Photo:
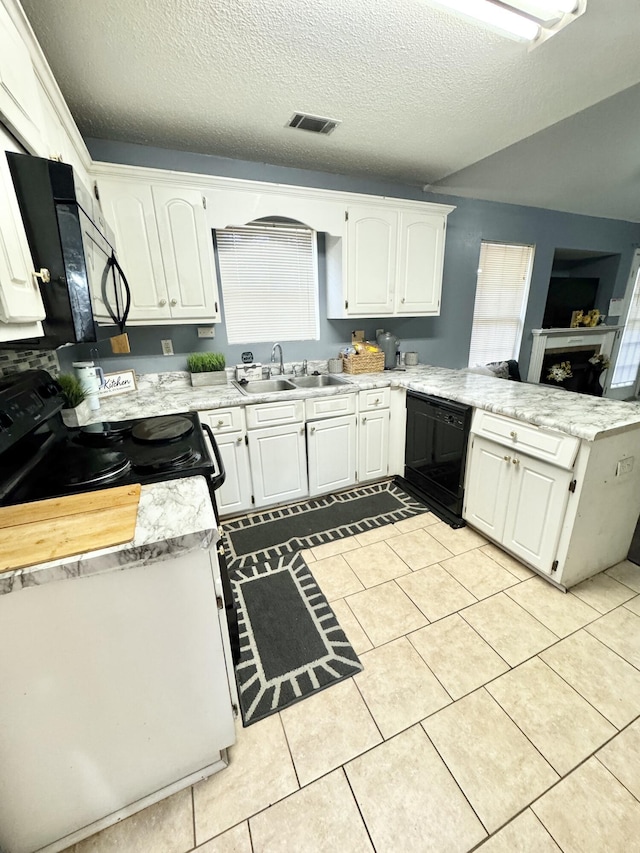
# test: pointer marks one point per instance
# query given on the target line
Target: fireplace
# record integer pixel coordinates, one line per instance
(577, 346)
(583, 374)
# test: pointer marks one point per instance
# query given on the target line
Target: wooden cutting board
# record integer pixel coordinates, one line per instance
(62, 527)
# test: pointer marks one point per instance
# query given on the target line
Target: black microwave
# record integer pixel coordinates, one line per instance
(57, 212)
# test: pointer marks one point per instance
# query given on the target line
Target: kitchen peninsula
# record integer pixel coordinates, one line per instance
(126, 659)
(578, 512)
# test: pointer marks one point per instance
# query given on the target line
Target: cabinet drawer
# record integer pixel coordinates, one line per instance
(270, 414)
(223, 420)
(535, 441)
(377, 398)
(323, 407)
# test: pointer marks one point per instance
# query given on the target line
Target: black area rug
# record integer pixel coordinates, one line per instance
(269, 535)
(290, 641)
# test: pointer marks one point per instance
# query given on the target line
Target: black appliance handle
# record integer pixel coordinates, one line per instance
(119, 321)
(219, 479)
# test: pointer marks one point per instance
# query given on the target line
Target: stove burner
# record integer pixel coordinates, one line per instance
(104, 433)
(162, 429)
(162, 459)
(79, 466)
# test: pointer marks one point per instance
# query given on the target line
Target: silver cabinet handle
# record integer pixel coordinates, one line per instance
(507, 458)
(312, 430)
(514, 435)
(516, 461)
(220, 423)
(402, 300)
(364, 420)
(376, 402)
(174, 301)
(162, 303)
(301, 430)
(239, 440)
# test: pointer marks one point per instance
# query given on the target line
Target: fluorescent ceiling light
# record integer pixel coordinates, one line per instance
(497, 18)
(524, 20)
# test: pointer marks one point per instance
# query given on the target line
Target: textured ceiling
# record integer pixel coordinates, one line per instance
(421, 94)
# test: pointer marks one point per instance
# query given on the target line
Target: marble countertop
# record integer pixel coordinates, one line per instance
(174, 518)
(580, 415)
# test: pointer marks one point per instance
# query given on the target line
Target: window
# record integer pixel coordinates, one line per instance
(628, 359)
(269, 278)
(504, 275)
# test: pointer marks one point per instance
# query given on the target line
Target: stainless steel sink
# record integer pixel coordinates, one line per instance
(265, 386)
(321, 381)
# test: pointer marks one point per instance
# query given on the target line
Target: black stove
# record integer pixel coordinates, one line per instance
(41, 458)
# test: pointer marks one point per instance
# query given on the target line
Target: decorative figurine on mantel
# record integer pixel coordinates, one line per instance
(581, 318)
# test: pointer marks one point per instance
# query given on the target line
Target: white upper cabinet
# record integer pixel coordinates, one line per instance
(420, 260)
(371, 243)
(20, 300)
(128, 207)
(165, 246)
(19, 99)
(186, 243)
(389, 262)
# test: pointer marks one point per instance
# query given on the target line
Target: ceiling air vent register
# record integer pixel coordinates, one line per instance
(314, 124)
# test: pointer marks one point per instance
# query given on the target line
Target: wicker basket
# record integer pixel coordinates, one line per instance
(363, 362)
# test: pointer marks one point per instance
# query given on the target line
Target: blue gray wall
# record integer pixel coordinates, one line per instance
(442, 340)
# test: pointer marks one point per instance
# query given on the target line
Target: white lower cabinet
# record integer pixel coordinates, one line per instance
(373, 445)
(278, 460)
(234, 496)
(373, 434)
(516, 500)
(331, 452)
(229, 428)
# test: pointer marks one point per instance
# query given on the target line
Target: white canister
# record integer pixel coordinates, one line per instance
(410, 359)
(91, 378)
(335, 365)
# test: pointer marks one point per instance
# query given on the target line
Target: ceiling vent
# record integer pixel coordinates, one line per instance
(315, 124)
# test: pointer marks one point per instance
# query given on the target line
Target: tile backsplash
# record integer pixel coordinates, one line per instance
(13, 361)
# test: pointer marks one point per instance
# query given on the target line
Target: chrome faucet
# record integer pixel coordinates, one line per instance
(273, 353)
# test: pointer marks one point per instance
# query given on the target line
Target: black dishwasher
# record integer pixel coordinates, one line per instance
(436, 453)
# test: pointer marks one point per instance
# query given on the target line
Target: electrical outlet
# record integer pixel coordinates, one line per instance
(167, 347)
(206, 332)
(625, 466)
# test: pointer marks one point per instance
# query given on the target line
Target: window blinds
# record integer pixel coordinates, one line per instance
(269, 278)
(501, 298)
(628, 359)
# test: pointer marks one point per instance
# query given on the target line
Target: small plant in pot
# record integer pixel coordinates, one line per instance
(76, 410)
(207, 368)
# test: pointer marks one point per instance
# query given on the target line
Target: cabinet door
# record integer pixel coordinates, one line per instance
(19, 99)
(128, 207)
(331, 449)
(373, 445)
(278, 464)
(537, 501)
(372, 237)
(487, 487)
(234, 496)
(20, 300)
(187, 253)
(420, 263)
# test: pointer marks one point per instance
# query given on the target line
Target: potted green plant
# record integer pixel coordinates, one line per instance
(207, 368)
(76, 411)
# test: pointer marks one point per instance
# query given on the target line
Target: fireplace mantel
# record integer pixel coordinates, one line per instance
(546, 339)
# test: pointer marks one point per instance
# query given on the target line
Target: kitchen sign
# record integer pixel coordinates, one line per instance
(118, 383)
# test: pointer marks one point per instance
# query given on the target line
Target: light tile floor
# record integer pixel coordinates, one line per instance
(494, 713)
